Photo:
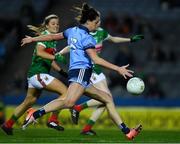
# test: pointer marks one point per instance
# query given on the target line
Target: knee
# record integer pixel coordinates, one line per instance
(63, 91)
(109, 95)
(109, 99)
(102, 108)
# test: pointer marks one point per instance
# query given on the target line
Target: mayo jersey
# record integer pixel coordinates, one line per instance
(99, 35)
(79, 40)
(39, 64)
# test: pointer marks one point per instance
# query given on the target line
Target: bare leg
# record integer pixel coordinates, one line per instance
(102, 85)
(97, 113)
(32, 95)
(57, 87)
(30, 99)
(102, 96)
(74, 92)
(108, 101)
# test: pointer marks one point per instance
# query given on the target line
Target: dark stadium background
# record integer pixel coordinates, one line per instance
(155, 59)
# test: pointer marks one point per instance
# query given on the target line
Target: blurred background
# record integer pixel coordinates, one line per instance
(155, 59)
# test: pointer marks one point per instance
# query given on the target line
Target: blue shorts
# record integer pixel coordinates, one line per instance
(81, 76)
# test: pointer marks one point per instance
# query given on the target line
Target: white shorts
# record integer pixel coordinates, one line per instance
(39, 81)
(95, 78)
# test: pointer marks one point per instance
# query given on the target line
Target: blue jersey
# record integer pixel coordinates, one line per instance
(79, 40)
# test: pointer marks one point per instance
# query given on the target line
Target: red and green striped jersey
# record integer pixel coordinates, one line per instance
(39, 64)
(99, 35)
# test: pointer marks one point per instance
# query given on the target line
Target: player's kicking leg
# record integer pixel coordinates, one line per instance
(134, 132)
(129, 133)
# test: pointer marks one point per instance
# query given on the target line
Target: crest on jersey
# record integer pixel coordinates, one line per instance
(46, 78)
(73, 40)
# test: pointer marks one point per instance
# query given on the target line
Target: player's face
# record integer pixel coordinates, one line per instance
(93, 25)
(53, 26)
(99, 23)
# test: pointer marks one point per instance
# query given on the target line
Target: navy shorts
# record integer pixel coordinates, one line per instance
(81, 76)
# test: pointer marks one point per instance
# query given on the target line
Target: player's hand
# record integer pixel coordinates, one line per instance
(60, 58)
(63, 73)
(125, 72)
(136, 38)
(26, 40)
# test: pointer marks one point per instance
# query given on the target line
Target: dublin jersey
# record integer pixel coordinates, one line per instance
(79, 40)
(39, 64)
(99, 35)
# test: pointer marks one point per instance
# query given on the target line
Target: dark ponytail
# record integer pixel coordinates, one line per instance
(86, 13)
(85, 7)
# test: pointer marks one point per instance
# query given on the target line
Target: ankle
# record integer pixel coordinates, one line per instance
(124, 128)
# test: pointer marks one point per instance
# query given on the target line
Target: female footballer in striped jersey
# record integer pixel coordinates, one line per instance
(38, 75)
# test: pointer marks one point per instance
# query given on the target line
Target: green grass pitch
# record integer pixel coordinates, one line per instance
(46, 135)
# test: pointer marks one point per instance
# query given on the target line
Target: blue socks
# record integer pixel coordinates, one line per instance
(39, 113)
(124, 128)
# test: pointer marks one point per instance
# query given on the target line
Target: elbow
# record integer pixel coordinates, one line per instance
(96, 61)
(38, 53)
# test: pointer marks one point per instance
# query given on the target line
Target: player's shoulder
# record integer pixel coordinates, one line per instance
(101, 29)
(72, 28)
(69, 29)
(89, 39)
(45, 32)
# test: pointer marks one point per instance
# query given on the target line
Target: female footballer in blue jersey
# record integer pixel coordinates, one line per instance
(82, 53)
(98, 78)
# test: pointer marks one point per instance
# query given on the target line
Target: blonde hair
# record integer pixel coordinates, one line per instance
(42, 27)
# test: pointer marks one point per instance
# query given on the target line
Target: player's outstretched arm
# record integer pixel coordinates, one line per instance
(134, 38)
(65, 50)
(97, 60)
(48, 37)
